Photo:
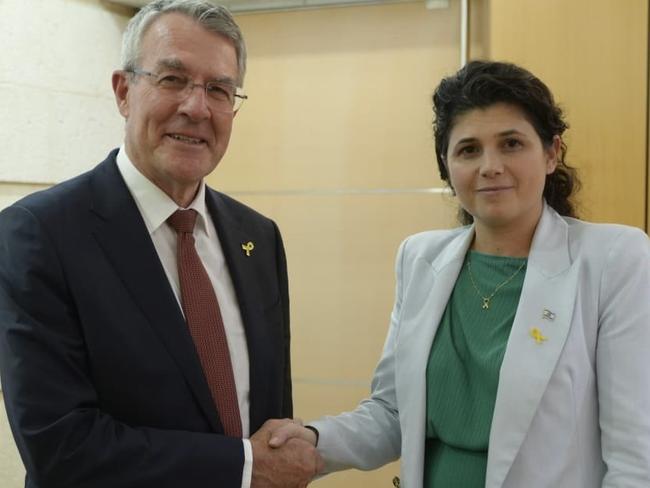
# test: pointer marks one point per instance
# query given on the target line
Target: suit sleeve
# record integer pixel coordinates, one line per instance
(622, 361)
(369, 436)
(281, 263)
(63, 436)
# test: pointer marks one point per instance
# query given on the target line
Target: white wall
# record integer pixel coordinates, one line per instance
(58, 114)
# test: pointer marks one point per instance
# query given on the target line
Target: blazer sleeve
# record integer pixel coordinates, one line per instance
(62, 434)
(369, 436)
(622, 361)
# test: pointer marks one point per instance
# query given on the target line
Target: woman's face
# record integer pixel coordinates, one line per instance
(497, 166)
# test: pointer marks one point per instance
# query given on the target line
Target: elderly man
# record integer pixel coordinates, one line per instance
(144, 317)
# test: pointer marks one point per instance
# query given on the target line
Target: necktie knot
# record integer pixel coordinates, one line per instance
(182, 221)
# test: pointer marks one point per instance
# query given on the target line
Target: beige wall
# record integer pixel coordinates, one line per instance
(58, 111)
(12, 473)
(340, 98)
(335, 144)
(594, 56)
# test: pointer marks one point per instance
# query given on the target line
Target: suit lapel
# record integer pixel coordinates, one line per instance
(233, 234)
(550, 284)
(428, 293)
(122, 234)
(231, 237)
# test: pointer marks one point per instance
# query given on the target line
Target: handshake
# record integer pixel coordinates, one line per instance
(284, 455)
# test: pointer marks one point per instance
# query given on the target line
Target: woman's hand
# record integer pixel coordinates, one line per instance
(291, 429)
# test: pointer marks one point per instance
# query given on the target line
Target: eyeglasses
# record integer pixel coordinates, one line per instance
(222, 96)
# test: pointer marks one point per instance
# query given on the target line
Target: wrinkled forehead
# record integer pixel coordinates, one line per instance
(177, 41)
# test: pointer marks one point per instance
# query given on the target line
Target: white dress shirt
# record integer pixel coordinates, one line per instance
(156, 207)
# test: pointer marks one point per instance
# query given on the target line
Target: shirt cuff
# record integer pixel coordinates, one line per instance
(247, 473)
(315, 431)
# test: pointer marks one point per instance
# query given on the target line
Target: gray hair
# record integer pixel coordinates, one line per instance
(214, 18)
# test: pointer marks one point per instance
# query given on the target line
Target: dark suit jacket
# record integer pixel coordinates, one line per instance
(102, 384)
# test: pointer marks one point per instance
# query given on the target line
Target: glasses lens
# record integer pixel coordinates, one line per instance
(172, 82)
(222, 96)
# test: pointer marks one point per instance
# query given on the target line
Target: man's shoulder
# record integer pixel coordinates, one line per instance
(51, 199)
(62, 197)
(220, 202)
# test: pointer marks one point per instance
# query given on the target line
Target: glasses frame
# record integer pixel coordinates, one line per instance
(238, 97)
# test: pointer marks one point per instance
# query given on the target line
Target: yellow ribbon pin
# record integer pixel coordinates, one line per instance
(248, 247)
(537, 335)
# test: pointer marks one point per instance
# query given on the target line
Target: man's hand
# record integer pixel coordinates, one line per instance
(291, 465)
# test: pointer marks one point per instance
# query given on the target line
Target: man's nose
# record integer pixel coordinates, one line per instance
(195, 102)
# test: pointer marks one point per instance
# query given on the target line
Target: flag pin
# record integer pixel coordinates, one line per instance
(548, 315)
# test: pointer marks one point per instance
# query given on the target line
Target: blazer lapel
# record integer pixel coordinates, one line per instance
(122, 234)
(538, 335)
(428, 293)
(251, 299)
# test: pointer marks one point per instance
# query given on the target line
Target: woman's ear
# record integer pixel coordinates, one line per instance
(553, 154)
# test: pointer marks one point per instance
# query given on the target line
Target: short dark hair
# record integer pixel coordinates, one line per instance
(480, 84)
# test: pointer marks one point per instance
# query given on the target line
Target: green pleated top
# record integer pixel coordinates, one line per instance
(463, 371)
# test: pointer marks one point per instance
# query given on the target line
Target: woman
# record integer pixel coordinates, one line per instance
(517, 354)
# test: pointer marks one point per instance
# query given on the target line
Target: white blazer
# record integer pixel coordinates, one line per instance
(572, 411)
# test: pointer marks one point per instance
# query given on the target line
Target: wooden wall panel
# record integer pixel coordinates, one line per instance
(340, 98)
(594, 56)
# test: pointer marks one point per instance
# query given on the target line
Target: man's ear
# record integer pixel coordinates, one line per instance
(121, 89)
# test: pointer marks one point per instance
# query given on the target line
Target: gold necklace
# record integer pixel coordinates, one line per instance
(486, 299)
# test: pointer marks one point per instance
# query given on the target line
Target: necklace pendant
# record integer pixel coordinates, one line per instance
(486, 303)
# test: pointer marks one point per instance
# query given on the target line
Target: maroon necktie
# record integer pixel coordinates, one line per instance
(203, 318)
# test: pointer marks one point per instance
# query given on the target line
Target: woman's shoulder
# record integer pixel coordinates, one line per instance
(580, 229)
(430, 243)
(603, 239)
(436, 237)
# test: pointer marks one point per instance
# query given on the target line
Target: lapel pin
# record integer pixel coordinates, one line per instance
(548, 315)
(536, 334)
(248, 247)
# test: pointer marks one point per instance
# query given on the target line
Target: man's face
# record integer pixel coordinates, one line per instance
(176, 140)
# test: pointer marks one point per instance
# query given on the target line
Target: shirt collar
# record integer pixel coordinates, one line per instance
(154, 204)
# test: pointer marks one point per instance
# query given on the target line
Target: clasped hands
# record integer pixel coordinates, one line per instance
(284, 455)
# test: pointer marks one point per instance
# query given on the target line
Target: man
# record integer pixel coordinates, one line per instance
(144, 318)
